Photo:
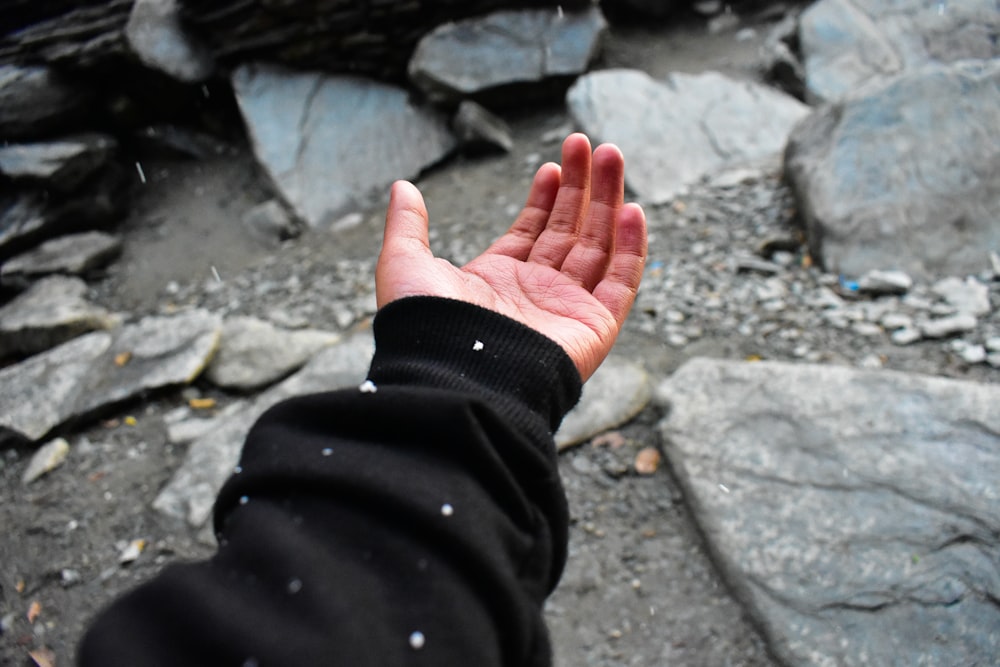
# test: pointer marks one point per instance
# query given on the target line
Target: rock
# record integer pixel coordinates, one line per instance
(87, 34)
(75, 254)
(967, 296)
(335, 36)
(854, 513)
(781, 64)
(155, 34)
(477, 128)
(61, 165)
(506, 56)
(848, 45)
(942, 327)
(270, 222)
(31, 216)
(880, 283)
(36, 101)
(306, 129)
(96, 371)
(51, 312)
(616, 393)
(211, 458)
(254, 353)
(905, 335)
(713, 121)
(903, 176)
(969, 352)
(48, 457)
(172, 141)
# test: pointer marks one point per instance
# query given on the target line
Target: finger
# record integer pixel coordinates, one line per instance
(556, 240)
(405, 220)
(521, 237)
(621, 281)
(587, 261)
(405, 237)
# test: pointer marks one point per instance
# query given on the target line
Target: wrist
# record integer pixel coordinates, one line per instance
(451, 344)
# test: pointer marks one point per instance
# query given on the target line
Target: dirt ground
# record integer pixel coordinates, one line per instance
(639, 589)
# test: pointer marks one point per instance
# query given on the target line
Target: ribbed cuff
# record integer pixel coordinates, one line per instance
(449, 344)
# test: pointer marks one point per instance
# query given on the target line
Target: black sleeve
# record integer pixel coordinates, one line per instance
(417, 520)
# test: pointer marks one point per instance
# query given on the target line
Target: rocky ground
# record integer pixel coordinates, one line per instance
(727, 277)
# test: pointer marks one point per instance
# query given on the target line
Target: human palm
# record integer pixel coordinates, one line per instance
(569, 267)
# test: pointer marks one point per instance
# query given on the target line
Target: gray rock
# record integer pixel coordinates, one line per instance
(905, 335)
(878, 283)
(854, 513)
(476, 127)
(848, 45)
(51, 312)
(99, 370)
(306, 130)
(254, 353)
(904, 176)
(506, 55)
(616, 393)
(60, 165)
(48, 457)
(270, 221)
(942, 327)
(968, 352)
(211, 458)
(713, 121)
(35, 101)
(155, 33)
(75, 254)
(967, 296)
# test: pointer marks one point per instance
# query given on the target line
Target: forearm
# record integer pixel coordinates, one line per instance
(431, 505)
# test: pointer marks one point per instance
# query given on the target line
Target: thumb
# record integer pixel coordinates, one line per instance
(405, 239)
(405, 220)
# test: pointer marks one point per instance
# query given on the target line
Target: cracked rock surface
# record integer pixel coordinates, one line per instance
(854, 512)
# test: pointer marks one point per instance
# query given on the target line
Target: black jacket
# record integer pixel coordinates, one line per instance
(422, 523)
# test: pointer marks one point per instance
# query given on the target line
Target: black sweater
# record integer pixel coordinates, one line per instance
(422, 523)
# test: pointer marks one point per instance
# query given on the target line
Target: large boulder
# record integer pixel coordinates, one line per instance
(854, 513)
(61, 165)
(507, 56)
(905, 175)
(679, 130)
(83, 34)
(331, 144)
(846, 45)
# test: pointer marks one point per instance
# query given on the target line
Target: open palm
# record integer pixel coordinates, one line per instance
(569, 267)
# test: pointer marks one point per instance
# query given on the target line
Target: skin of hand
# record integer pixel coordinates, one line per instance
(569, 267)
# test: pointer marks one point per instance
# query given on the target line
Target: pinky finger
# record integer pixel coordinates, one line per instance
(617, 290)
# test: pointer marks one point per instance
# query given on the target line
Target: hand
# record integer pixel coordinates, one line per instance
(569, 267)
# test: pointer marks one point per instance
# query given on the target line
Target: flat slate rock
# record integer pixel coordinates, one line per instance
(855, 513)
(99, 370)
(254, 353)
(713, 121)
(506, 55)
(616, 393)
(35, 100)
(61, 165)
(847, 45)
(905, 176)
(306, 129)
(73, 254)
(49, 313)
(211, 458)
